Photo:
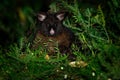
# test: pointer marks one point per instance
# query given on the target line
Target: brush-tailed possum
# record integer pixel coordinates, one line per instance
(51, 33)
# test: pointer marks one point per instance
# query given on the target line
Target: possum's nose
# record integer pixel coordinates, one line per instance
(52, 32)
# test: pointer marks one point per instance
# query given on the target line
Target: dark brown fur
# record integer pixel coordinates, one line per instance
(62, 38)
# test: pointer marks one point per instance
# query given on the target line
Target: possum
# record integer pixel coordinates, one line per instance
(51, 33)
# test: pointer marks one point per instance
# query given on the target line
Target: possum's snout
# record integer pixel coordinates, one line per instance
(52, 32)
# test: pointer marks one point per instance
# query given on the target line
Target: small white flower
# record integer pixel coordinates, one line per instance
(62, 68)
(57, 70)
(32, 53)
(93, 73)
(109, 79)
(65, 76)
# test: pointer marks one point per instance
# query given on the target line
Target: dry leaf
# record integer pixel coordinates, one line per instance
(47, 57)
(78, 64)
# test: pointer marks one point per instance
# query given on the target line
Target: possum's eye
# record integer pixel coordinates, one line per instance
(47, 25)
(55, 25)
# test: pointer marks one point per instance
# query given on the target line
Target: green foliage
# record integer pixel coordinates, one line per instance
(114, 19)
(97, 60)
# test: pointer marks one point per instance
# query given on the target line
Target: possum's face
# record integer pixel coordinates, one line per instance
(51, 24)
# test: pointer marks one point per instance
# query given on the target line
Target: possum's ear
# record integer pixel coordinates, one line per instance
(61, 15)
(41, 16)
